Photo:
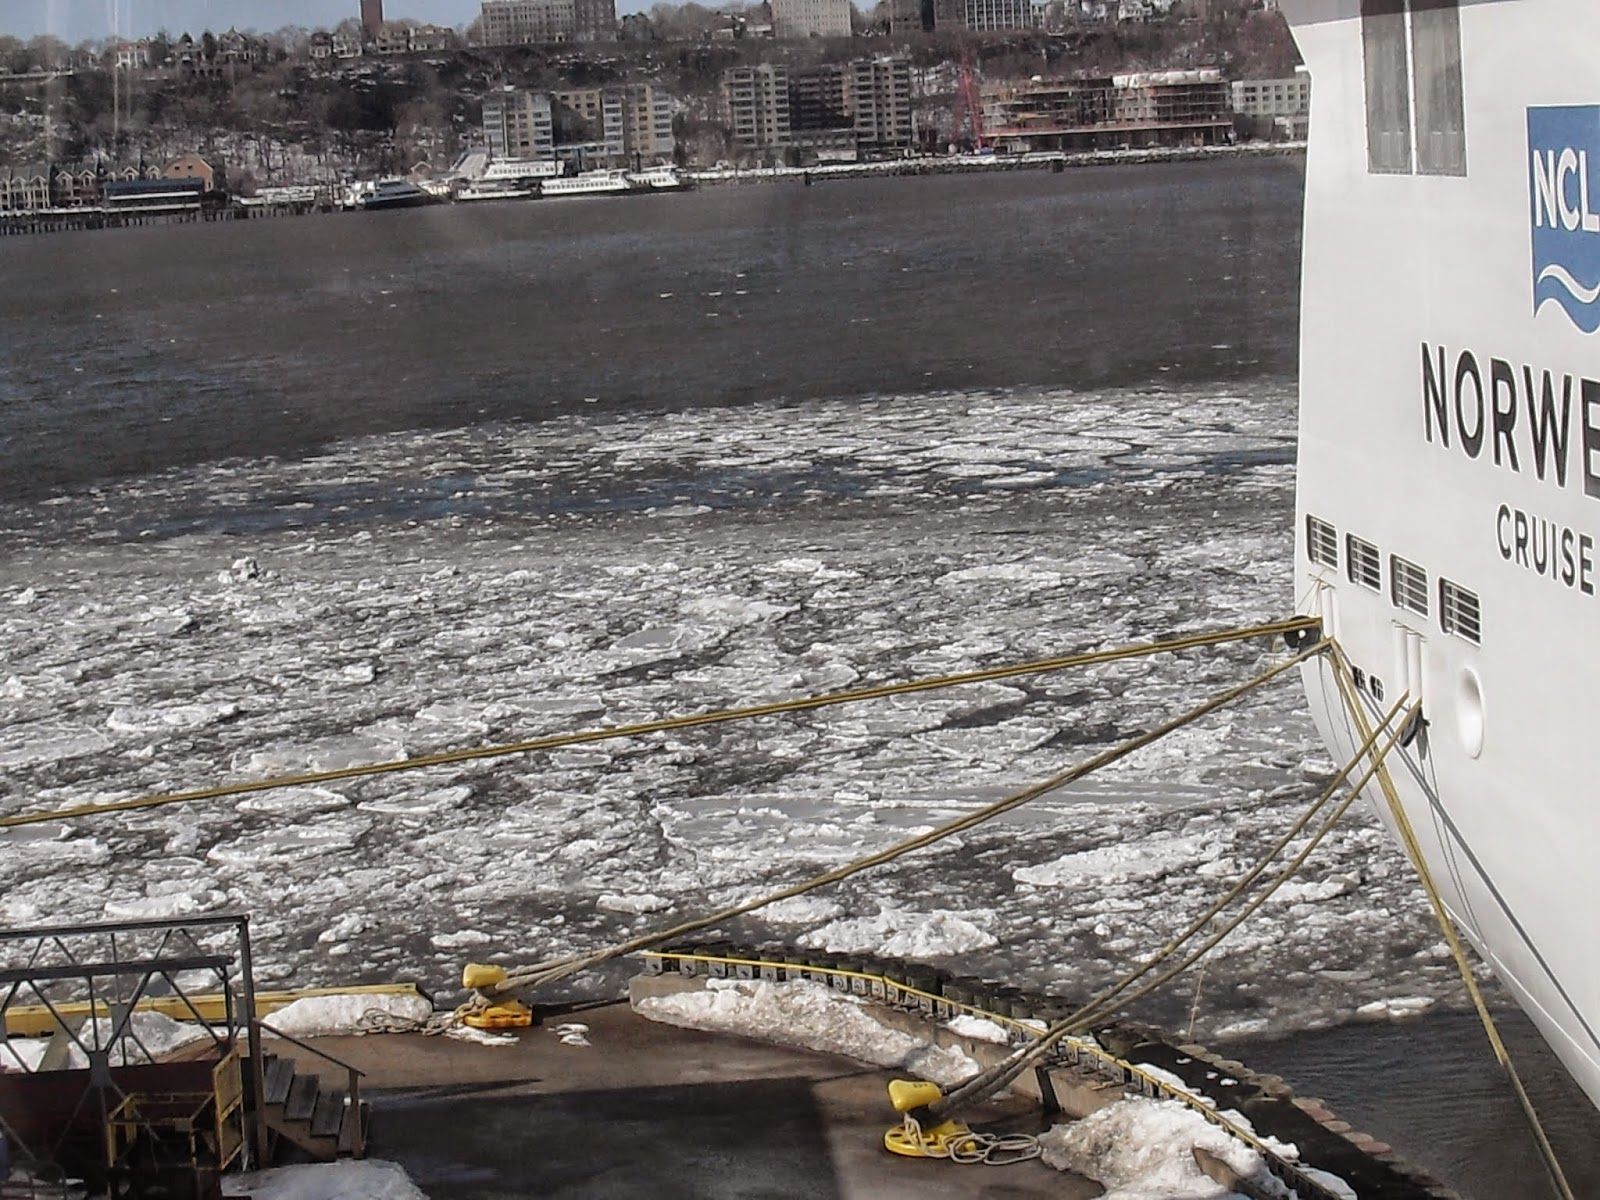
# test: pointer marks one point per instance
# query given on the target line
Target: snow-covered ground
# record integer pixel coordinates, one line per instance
(405, 594)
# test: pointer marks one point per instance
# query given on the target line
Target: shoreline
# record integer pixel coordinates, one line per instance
(966, 164)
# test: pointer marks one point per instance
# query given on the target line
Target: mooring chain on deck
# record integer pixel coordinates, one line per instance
(554, 970)
(1344, 676)
(991, 1081)
(1293, 628)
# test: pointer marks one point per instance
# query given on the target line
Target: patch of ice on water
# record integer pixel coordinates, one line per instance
(1120, 861)
(1011, 575)
(1395, 1008)
(370, 1179)
(170, 718)
(899, 933)
(1142, 1149)
(40, 744)
(809, 1015)
(1312, 892)
(460, 939)
(161, 907)
(801, 910)
(294, 802)
(635, 904)
(733, 610)
(342, 1015)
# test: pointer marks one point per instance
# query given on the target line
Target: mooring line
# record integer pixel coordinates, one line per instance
(1291, 627)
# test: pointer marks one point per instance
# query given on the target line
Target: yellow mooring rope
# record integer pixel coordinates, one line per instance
(1408, 838)
(982, 1086)
(1290, 627)
(556, 969)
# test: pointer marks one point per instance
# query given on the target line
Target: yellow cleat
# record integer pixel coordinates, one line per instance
(909, 1139)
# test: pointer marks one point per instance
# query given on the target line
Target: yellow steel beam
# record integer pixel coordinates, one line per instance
(35, 1020)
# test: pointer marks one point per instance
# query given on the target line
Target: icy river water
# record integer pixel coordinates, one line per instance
(291, 495)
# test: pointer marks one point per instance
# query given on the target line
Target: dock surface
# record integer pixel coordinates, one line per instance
(652, 1110)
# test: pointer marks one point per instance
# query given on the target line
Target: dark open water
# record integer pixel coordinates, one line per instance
(125, 354)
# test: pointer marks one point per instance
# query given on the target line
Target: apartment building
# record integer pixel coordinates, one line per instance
(879, 98)
(829, 111)
(530, 22)
(758, 105)
(810, 18)
(519, 124)
(1285, 103)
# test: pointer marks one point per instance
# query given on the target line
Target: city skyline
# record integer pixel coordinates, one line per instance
(76, 21)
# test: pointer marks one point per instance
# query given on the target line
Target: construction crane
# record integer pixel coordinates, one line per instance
(968, 108)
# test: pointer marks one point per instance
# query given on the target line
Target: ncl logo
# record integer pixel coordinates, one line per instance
(1564, 146)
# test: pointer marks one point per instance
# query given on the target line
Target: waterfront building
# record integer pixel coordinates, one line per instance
(1281, 104)
(25, 189)
(630, 122)
(518, 123)
(879, 98)
(832, 111)
(211, 174)
(1157, 108)
(529, 22)
(372, 18)
(647, 122)
(757, 98)
(810, 18)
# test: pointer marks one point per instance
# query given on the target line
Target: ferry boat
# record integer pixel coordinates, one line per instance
(520, 171)
(589, 183)
(1450, 451)
(658, 179)
(387, 194)
(483, 190)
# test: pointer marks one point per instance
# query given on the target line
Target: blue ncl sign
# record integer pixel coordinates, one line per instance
(1564, 189)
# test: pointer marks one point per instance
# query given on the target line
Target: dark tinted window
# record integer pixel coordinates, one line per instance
(1384, 58)
(1436, 57)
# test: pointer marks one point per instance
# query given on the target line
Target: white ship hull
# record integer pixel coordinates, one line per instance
(1433, 227)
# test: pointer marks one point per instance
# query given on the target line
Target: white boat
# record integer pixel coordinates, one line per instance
(519, 170)
(590, 183)
(1450, 452)
(383, 194)
(657, 179)
(480, 191)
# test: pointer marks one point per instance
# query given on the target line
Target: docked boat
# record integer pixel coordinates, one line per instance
(1450, 454)
(589, 183)
(658, 179)
(386, 194)
(482, 190)
(521, 171)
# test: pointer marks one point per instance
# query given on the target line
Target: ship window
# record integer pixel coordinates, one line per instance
(1436, 67)
(1408, 585)
(1375, 686)
(1366, 565)
(1383, 53)
(1458, 611)
(1411, 60)
(1322, 543)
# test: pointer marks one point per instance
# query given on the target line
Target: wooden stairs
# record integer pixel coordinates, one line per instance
(326, 1123)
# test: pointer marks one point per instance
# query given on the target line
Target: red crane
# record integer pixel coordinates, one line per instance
(968, 108)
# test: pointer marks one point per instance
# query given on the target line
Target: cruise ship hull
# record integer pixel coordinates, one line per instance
(1449, 478)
